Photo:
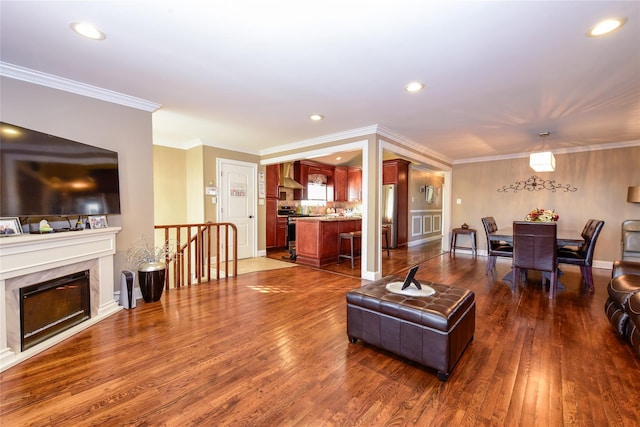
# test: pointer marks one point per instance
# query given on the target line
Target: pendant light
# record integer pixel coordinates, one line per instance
(543, 161)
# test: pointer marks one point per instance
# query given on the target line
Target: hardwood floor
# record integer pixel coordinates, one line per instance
(396, 260)
(270, 349)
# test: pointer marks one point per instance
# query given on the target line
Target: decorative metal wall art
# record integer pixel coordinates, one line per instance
(535, 183)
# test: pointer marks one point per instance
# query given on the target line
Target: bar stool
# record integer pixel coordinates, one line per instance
(385, 233)
(454, 237)
(350, 236)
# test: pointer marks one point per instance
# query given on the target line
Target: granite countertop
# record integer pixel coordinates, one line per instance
(329, 218)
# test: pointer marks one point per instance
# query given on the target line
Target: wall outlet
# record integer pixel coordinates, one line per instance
(458, 201)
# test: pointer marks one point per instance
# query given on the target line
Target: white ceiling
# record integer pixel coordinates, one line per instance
(246, 74)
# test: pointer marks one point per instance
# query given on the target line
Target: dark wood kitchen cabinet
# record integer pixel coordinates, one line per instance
(281, 232)
(396, 171)
(347, 182)
(272, 193)
(271, 206)
(301, 175)
(354, 184)
(340, 183)
(272, 181)
(276, 233)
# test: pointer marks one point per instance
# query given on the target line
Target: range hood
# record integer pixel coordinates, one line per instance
(286, 177)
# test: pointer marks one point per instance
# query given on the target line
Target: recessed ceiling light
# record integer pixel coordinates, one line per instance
(87, 30)
(316, 117)
(338, 158)
(414, 87)
(606, 26)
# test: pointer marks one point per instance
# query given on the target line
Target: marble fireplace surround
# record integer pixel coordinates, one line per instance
(32, 258)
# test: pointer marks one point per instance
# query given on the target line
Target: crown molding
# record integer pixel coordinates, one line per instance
(305, 144)
(356, 133)
(396, 137)
(49, 80)
(595, 147)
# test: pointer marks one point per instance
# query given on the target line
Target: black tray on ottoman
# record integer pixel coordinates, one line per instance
(430, 330)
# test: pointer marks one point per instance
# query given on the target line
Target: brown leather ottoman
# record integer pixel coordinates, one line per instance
(433, 330)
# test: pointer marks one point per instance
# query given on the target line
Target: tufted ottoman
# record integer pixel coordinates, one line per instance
(433, 330)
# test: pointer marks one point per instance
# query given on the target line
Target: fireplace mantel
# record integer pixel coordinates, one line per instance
(30, 258)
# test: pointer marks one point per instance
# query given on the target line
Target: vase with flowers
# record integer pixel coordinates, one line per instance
(150, 263)
(542, 215)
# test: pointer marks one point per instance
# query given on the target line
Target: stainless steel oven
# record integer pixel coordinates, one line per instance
(291, 233)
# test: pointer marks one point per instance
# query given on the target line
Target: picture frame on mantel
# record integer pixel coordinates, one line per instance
(97, 221)
(10, 226)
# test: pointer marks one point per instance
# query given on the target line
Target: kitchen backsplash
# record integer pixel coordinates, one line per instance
(320, 208)
(317, 207)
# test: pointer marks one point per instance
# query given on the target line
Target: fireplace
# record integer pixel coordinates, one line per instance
(50, 307)
(27, 260)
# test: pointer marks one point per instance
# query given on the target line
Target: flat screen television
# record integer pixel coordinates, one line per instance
(43, 175)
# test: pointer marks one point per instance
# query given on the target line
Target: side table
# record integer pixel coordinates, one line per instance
(454, 237)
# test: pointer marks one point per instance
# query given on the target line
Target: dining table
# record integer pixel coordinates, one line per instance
(564, 237)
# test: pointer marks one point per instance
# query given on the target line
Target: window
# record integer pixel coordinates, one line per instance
(317, 191)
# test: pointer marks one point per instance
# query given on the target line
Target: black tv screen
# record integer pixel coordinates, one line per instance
(44, 175)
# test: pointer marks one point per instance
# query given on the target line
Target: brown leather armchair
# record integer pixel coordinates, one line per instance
(623, 305)
(631, 240)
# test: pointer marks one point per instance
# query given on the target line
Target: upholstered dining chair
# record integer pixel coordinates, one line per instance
(494, 248)
(584, 234)
(535, 248)
(583, 256)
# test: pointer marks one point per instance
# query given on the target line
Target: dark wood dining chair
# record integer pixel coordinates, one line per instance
(583, 256)
(494, 248)
(535, 248)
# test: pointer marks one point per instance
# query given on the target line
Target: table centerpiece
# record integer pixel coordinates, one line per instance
(542, 215)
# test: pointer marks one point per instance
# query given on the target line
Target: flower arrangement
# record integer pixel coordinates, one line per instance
(542, 215)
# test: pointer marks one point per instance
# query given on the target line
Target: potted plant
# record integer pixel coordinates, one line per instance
(150, 263)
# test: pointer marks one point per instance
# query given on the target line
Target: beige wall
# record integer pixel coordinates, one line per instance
(169, 185)
(601, 178)
(194, 190)
(102, 124)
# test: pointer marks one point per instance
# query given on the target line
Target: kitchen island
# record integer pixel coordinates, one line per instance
(317, 238)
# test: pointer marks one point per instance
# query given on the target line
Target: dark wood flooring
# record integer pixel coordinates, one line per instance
(270, 349)
(394, 261)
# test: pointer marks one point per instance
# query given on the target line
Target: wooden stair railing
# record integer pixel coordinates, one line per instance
(196, 245)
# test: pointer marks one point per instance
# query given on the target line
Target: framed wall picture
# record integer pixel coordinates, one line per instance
(10, 227)
(98, 221)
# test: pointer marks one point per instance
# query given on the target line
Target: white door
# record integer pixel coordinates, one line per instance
(238, 202)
